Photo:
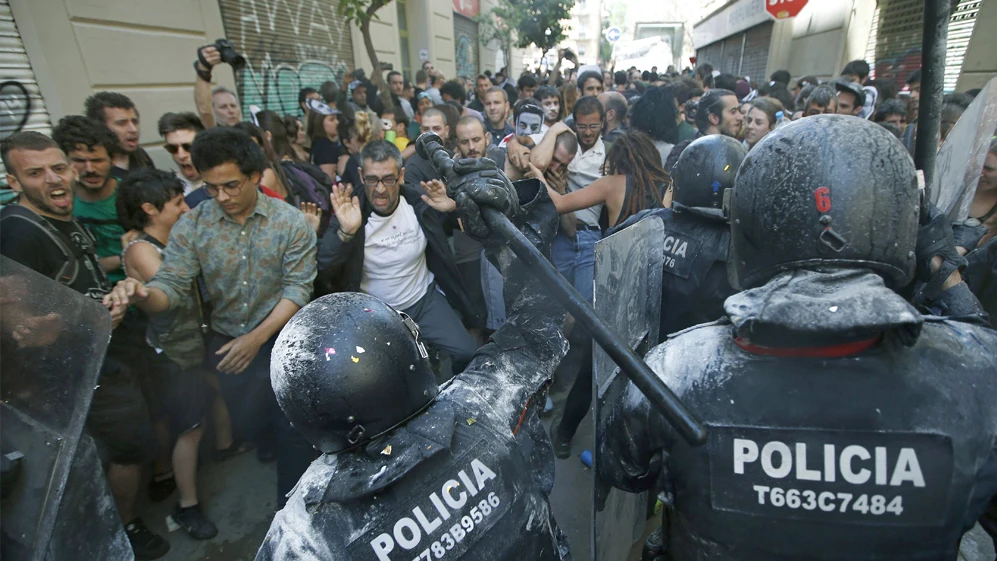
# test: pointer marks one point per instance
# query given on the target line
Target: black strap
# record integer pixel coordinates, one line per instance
(989, 213)
(206, 76)
(71, 254)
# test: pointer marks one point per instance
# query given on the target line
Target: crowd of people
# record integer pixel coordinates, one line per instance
(266, 212)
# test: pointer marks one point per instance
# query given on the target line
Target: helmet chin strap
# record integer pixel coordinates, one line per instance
(413, 328)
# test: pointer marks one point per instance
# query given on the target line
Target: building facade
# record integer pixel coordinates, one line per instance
(740, 38)
(59, 52)
(585, 31)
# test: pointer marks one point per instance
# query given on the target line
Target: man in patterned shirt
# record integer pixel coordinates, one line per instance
(257, 256)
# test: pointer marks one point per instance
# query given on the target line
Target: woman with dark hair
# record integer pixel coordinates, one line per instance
(307, 185)
(763, 115)
(151, 201)
(633, 181)
(297, 138)
(323, 130)
(273, 179)
(657, 114)
(279, 155)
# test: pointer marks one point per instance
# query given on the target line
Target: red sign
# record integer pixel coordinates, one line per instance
(467, 8)
(782, 9)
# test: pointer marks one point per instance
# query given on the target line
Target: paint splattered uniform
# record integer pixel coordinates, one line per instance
(466, 477)
(694, 282)
(844, 424)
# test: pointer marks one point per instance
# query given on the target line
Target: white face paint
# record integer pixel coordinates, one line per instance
(528, 123)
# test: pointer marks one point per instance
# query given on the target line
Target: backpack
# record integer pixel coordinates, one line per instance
(70, 252)
(310, 185)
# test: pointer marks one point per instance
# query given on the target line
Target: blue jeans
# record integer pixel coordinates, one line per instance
(575, 259)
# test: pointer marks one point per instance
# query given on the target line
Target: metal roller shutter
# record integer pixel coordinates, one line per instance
(741, 54)
(733, 50)
(961, 26)
(21, 103)
(288, 45)
(756, 52)
(898, 39)
(465, 32)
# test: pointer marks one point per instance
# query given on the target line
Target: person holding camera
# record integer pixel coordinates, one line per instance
(221, 106)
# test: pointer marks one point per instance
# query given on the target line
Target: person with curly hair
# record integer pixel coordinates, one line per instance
(656, 114)
(91, 147)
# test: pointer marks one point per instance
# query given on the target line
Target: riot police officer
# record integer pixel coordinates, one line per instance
(694, 284)
(843, 423)
(410, 470)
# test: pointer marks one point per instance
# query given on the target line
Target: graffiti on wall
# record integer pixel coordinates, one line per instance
(465, 56)
(288, 45)
(897, 67)
(15, 107)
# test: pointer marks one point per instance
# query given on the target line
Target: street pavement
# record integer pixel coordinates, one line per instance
(239, 497)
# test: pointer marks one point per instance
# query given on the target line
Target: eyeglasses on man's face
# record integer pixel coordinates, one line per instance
(232, 188)
(373, 180)
(174, 148)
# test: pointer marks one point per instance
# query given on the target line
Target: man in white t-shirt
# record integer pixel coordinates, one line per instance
(390, 240)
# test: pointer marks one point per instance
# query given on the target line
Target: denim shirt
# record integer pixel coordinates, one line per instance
(248, 268)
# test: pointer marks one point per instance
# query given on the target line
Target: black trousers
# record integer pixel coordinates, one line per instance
(256, 416)
(579, 399)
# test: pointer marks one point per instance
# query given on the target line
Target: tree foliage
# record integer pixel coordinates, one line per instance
(542, 23)
(522, 23)
(498, 25)
(360, 13)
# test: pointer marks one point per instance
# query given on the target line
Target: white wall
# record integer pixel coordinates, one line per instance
(141, 48)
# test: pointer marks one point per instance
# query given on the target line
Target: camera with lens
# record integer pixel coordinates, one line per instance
(230, 56)
(691, 107)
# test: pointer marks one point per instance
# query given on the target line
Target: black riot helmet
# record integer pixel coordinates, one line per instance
(704, 170)
(828, 190)
(348, 368)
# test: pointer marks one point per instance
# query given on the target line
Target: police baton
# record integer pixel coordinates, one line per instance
(430, 147)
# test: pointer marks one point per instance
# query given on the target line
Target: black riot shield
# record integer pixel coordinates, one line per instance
(960, 159)
(628, 268)
(55, 500)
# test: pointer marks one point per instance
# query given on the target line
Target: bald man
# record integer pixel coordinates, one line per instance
(616, 114)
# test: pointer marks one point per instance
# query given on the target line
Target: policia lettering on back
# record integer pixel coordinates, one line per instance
(458, 492)
(854, 477)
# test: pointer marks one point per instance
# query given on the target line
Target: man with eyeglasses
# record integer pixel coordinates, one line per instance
(390, 240)
(257, 258)
(178, 131)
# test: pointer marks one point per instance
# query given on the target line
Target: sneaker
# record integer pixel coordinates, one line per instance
(161, 487)
(145, 544)
(548, 406)
(194, 522)
(562, 446)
